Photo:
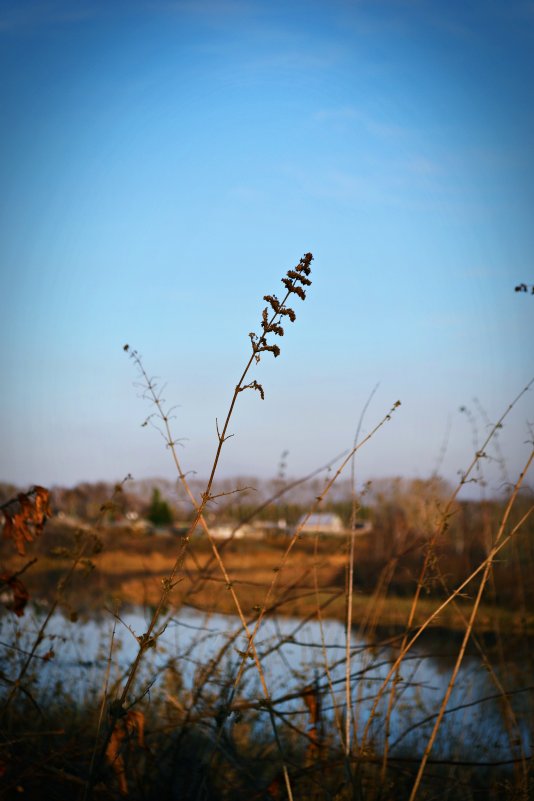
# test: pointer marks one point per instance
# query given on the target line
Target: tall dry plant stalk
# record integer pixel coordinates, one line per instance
(469, 629)
(125, 721)
(440, 529)
(294, 282)
(355, 506)
(277, 311)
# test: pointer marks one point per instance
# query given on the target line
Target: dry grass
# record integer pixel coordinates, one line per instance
(212, 739)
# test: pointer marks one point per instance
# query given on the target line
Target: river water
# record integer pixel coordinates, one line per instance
(478, 726)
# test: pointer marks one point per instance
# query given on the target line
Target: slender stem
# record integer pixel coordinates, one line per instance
(350, 580)
(147, 638)
(44, 625)
(467, 634)
(409, 645)
(440, 528)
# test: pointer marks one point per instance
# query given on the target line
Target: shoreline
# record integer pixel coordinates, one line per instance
(311, 583)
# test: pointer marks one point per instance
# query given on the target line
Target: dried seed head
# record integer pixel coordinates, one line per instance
(290, 286)
(293, 282)
(275, 303)
(304, 264)
(298, 277)
(274, 349)
(290, 313)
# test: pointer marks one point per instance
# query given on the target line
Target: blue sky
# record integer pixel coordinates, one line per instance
(163, 164)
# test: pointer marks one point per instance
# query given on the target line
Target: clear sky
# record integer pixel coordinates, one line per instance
(163, 164)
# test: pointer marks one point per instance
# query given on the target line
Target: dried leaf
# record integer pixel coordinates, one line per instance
(124, 731)
(311, 699)
(25, 516)
(20, 594)
(42, 506)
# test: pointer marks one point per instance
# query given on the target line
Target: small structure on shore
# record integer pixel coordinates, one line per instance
(321, 523)
(330, 523)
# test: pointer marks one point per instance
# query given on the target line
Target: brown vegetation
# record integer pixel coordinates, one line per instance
(429, 560)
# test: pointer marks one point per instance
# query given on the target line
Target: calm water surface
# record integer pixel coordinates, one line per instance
(294, 654)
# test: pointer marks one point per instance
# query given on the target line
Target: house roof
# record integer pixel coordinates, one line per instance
(321, 519)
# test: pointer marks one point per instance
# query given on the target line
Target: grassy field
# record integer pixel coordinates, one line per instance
(130, 568)
(207, 741)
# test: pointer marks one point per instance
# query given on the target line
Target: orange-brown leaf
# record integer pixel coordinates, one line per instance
(20, 594)
(15, 528)
(124, 731)
(135, 724)
(25, 516)
(42, 506)
(311, 699)
(115, 758)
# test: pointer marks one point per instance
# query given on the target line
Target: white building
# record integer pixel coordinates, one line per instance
(329, 523)
(321, 523)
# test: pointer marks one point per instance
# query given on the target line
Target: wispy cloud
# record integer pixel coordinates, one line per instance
(351, 114)
(423, 166)
(344, 186)
(244, 193)
(212, 9)
(25, 16)
(33, 15)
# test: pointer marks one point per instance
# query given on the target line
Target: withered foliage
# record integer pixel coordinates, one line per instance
(270, 322)
(525, 288)
(312, 698)
(25, 516)
(19, 593)
(126, 728)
